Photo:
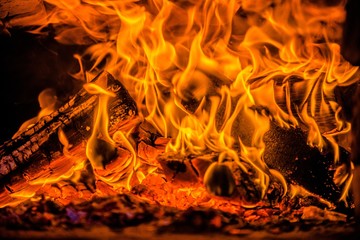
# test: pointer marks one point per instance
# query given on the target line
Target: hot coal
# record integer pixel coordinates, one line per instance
(125, 210)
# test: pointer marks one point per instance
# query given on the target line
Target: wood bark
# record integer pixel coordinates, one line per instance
(286, 151)
(41, 141)
(37, 155)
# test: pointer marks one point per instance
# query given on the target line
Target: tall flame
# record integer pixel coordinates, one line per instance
(212, 74)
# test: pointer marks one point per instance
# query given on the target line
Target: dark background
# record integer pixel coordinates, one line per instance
(29, 64)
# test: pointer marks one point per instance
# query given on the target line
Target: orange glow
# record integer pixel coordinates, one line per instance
(48, 103)
(211, 75)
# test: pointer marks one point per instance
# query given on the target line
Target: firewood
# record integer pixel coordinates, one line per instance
(177, 169)
(286, 151)
(74, 118)
(39, 152)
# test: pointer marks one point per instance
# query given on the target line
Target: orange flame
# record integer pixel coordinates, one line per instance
(213, 74)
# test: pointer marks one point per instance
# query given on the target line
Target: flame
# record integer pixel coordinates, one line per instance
(211, 75)
(101, 147)
(48, 103)
(101, 123)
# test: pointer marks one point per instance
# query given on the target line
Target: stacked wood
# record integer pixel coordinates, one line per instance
(38, 152)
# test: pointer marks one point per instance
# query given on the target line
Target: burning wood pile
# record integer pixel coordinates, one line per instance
(194, 116)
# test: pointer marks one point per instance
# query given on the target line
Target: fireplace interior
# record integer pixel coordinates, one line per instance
(158, 119)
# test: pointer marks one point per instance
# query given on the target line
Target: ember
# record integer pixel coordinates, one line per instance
(193, 116)
(153, 221)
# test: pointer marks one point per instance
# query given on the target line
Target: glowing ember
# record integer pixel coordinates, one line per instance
(210, 76)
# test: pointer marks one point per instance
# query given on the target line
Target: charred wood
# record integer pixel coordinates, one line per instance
(226, 179)
(287, 151)
(39, 152)
(41, 141)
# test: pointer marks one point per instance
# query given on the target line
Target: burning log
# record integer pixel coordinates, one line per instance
(226, 180)
(204, 86)
(178, 169)
(301, 165)
(287, 151)
(53, 147)
(73, 119)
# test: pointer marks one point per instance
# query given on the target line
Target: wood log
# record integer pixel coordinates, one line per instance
(287, 152)
(74, 119)
(184, 170)
(38, 153)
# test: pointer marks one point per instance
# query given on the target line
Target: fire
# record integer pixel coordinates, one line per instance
(211, 75)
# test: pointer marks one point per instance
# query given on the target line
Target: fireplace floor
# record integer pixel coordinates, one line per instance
(125, 216)
(147, 231)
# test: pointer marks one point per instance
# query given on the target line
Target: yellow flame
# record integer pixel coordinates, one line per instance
(344, 177)
(212, 74)
(100, 126)
(121, 175)
(48, 103)
(296, 190)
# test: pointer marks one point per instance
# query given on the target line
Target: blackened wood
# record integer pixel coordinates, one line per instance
(178, 169)
(41, 143)
(184, 170)
(287, 151)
